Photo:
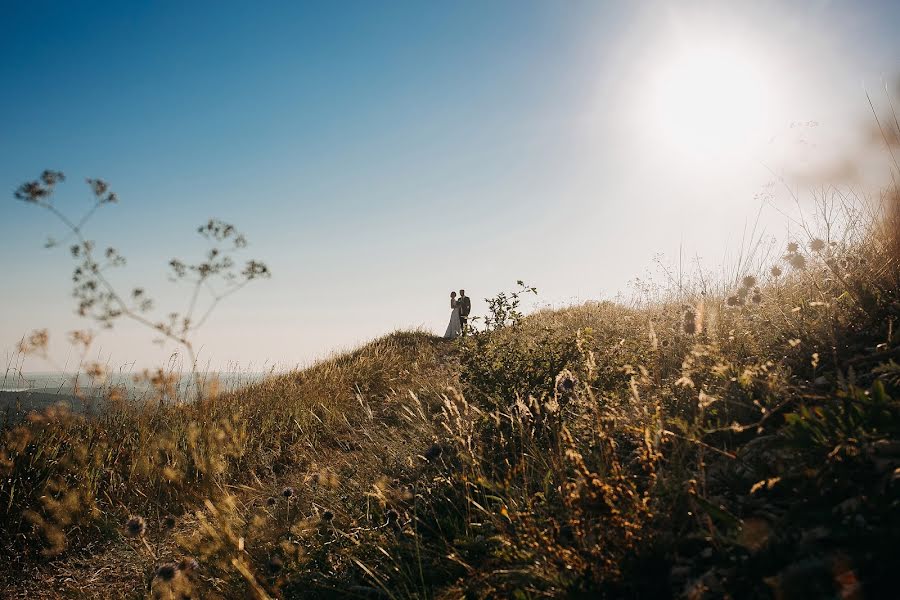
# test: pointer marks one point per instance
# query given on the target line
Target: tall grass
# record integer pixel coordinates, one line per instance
(69, 481)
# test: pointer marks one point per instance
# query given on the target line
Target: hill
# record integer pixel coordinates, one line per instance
(740, 444)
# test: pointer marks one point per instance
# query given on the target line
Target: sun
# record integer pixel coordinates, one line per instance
(709, 101)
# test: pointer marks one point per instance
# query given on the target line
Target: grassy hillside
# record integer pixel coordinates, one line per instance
(740, 442)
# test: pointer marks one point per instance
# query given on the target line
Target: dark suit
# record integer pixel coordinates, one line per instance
(465, 306)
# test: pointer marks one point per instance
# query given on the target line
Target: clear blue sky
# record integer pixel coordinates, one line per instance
(380, 154)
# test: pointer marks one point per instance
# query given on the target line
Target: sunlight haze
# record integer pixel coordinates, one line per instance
(379, 155)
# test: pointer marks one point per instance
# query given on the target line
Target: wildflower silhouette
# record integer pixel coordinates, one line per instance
(216, 275)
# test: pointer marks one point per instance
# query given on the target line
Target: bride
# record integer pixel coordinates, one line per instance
(454, 329)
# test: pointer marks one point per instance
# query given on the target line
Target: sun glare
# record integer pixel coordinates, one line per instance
(709, 101)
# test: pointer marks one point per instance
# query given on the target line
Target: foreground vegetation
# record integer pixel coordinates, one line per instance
(740, 442)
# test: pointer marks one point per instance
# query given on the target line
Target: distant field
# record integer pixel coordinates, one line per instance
(22, 394)
(15, 405)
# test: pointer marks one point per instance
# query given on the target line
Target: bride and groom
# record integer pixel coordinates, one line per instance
(459, 315)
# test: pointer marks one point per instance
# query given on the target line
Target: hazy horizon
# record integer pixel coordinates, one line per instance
(379, 156)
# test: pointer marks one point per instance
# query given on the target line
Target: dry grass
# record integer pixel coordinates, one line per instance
(329, 432)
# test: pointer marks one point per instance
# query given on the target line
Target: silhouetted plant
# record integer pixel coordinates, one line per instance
(503, 309)
(217, 274)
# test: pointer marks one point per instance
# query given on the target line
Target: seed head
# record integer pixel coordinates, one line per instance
(798, 261)
(169, 522)
(792, 247)
(776, 272)
(433, 452)
(733, 301)
(270, 501)
(328, 516)
(135, 527)
(275, 564)
(392, 516)
(756, 298)
(188, 564)
(166, 572)
(690, 322)
(566, 382)
(817, 245)
(52, 177)
(287, 492)
(749, 281)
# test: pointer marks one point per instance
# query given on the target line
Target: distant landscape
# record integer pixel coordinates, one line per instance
(21, 393)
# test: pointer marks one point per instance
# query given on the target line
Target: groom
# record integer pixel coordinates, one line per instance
(465, 305)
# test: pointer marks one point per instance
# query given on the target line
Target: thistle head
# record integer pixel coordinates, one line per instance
(434, 452)
(275, 564)
(797, 261)
(188, 564)
(166, 572)
(135, 527)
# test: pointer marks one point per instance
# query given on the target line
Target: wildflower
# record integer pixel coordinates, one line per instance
(98, 186)
(31, 192)
(328, 516)
(166, 572)
(817, 245)
(135, 527)
(433, 452)
(52, 177)
(287, 492)
(749, 281)
(776, 272)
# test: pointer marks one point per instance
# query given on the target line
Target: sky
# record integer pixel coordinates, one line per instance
(379, 155)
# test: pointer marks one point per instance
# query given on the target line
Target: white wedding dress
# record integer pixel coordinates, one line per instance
(454, 329)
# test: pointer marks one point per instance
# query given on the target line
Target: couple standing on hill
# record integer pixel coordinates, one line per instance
(459, 314)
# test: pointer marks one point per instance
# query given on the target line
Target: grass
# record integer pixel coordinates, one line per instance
(743, 442)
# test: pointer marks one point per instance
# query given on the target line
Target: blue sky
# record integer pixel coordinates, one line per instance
(378, 155)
